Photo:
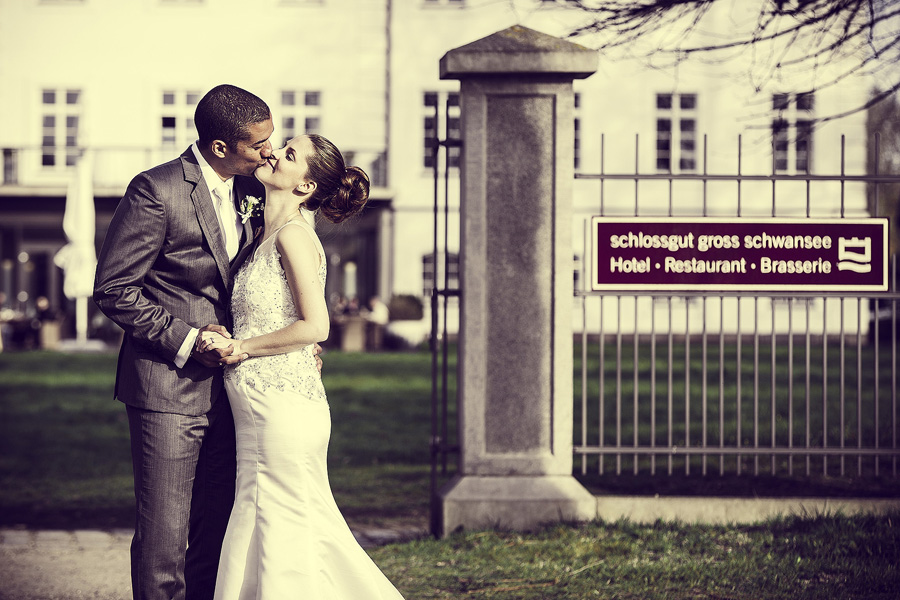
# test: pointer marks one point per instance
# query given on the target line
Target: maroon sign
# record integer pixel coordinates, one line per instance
(641, 253)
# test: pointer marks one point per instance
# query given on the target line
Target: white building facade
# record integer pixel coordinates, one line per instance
(120, 79)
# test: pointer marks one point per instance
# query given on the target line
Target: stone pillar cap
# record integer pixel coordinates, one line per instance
(519, 50)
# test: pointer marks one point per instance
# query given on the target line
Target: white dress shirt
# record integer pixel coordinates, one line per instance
(222, 193)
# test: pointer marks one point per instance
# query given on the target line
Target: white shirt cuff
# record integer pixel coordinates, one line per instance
(187, 346)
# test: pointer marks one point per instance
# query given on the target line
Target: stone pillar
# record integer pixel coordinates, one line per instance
(515, 347)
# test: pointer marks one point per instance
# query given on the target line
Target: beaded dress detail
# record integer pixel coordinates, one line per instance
(261, 303)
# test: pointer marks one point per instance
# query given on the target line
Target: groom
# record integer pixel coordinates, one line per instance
(164, 274)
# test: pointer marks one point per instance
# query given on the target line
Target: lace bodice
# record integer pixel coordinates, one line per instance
(262, 303)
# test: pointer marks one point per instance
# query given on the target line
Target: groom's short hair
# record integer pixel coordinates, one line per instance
(226, 112)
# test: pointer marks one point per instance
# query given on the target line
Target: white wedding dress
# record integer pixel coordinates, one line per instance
(286, 537)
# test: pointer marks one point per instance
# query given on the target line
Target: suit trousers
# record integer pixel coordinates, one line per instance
(184, 477)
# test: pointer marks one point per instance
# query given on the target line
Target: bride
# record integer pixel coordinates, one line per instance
(286, 537)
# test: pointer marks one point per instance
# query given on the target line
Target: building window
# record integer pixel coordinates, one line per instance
(452, 268)
(676, 133)
(177, 129)
(441, 119)
(792, 132)
(780, 144)
(60, 127)
(300, 108)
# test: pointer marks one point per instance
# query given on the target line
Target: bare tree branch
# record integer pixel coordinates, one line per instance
(788, 38)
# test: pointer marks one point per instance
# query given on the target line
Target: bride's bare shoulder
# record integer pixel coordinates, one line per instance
(296, 241)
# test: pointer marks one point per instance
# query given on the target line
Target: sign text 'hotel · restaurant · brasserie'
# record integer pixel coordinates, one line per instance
(643, 253)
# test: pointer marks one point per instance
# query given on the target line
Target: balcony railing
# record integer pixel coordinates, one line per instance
(114, 167)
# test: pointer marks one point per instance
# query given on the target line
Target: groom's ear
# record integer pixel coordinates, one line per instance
(219, 148)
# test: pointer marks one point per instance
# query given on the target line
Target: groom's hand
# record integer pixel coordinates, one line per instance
(210, 358)
(317, 351)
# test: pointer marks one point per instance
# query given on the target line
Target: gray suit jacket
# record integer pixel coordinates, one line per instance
(163, 269)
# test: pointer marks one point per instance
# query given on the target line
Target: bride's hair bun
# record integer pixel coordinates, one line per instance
(341, 192)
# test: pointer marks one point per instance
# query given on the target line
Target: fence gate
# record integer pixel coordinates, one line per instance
(781, 383)
(444, 288)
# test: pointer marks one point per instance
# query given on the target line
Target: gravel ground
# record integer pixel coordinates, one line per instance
(64, 565)
(91, 564)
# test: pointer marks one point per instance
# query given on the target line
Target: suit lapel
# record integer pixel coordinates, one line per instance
(206, 214)
(247, 238)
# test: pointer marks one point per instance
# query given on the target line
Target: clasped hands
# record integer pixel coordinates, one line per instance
(215, 347)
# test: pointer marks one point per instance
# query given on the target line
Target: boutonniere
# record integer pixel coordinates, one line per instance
(250, 207)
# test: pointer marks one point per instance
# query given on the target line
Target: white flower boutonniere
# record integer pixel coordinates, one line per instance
(251, 206)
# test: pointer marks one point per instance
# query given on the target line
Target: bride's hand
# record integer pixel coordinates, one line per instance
(236, 355)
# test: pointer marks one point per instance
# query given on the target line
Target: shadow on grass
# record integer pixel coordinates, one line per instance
(740, 486)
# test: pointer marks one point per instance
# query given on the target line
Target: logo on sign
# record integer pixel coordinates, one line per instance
(855, 254)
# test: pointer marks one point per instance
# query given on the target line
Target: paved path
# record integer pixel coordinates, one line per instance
(90, 564)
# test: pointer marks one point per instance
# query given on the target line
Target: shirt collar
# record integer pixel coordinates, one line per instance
(210, 176)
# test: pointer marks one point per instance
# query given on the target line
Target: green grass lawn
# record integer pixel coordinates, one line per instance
(65, 458)
(64, 453)
(821, 558)
(64, 462)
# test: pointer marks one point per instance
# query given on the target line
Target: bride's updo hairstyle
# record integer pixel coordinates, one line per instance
(341, 191)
